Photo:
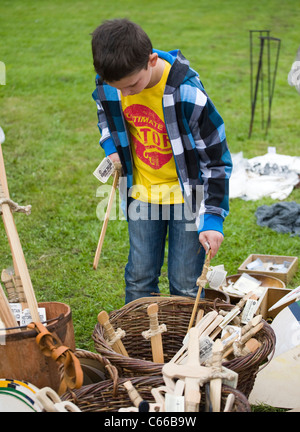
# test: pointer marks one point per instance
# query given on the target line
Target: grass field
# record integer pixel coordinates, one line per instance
(51, 147)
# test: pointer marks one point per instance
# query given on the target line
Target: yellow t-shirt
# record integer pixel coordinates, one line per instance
(155, 178)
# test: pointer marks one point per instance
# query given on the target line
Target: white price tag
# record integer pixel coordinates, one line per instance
(16, 310)
(232, 379)
(26, 316)
(205, 348)
(229, 317)
(104, 170)
(249, 311)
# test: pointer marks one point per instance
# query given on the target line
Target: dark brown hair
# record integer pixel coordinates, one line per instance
(120, 48)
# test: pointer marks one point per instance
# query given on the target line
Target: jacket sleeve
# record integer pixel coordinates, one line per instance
(215, 163)
(106, 141)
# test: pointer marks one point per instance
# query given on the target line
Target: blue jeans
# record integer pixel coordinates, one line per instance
(148, 227)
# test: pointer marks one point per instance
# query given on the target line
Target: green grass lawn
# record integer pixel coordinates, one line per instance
(51, 147)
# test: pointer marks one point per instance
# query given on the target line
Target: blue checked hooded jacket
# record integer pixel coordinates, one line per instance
(197, 135)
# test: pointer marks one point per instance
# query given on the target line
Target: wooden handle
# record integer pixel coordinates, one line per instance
(18, 255)
(216, 383)
(156, 340)
(103, 319)
(3, 181)
(192, 400)
(193, 347)
(134, 395)
(201, 283)
(106, 219)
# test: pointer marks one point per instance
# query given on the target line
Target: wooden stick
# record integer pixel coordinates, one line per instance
(216, 383)
(201, 326)
(3, 178)
(251, 333)
(229, 402)
(17, 252)
(156, 339)
(201, 282)
(212, 326)
(251, 346)
(134, 395)
(6, 313)
(244, 338)
(3, 181)
(118, 346)
(106, 219)
(200, 315)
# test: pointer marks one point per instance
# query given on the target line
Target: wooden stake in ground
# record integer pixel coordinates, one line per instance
(113, 337)
(18, 255)
(106, 219)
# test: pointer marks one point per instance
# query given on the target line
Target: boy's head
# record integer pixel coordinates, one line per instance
(120, 48)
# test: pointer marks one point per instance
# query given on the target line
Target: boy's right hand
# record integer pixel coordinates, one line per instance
(115, 157)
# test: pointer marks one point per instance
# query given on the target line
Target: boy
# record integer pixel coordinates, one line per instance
(157, 120)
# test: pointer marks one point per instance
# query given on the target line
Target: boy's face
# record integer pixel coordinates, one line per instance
(138, 81)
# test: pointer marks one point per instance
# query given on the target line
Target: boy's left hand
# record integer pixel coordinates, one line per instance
(213, 238)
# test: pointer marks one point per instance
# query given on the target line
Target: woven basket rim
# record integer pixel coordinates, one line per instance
(246, 366)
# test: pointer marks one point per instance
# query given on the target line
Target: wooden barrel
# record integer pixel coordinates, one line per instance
(22, 359)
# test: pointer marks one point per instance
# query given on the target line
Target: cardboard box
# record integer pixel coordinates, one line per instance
(268, 299)
(276, 259)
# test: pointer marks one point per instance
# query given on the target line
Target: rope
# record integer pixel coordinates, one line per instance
(119, 334)
(150, 333)
(14, 206)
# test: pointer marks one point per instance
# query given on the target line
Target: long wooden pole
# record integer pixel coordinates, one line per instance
(106, 219)
(201, 282)
(3, 180)
(18, 255)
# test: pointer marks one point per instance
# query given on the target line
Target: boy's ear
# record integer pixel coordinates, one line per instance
(153, 59)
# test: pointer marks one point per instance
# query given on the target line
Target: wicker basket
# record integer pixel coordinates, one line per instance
(110, 395)
(175, 313)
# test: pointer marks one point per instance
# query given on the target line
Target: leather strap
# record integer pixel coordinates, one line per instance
(52, 347)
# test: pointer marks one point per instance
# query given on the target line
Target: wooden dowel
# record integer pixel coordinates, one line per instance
(216, 383)
(3, 181)
(17, 252)
(103, 319)
(106, 219)
(156, 339)
(201, 282)
(134, 395)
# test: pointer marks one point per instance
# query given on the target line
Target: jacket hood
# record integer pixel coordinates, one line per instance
(180, 70)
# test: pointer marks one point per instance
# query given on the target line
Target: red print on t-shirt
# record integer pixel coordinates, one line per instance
(152, 144)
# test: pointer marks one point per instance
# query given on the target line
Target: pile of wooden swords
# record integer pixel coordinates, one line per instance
(212, 339)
